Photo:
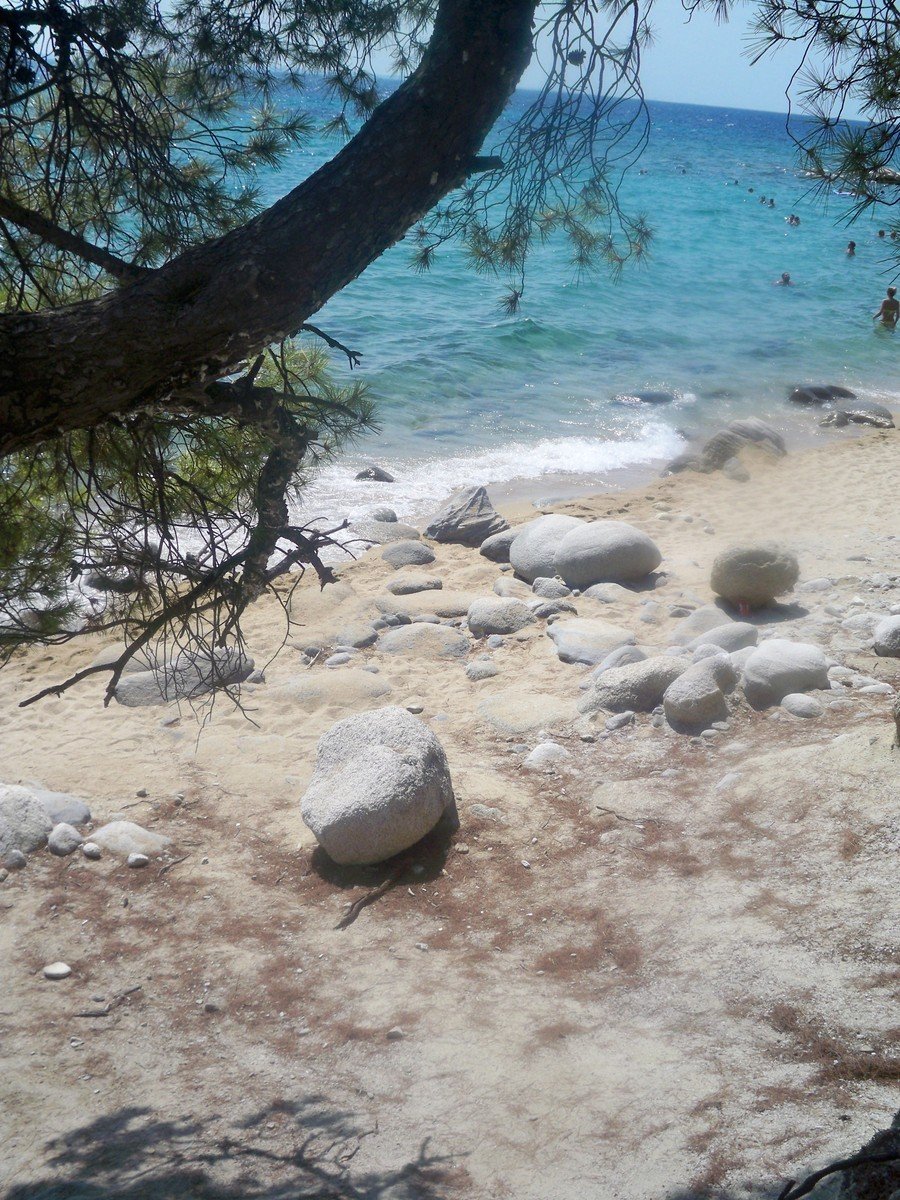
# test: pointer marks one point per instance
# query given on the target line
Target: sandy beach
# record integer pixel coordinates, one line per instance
(663, 965)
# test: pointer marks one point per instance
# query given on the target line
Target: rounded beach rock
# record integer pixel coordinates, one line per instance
(635, 687)
(381, 782)
(24, 825)
(498, 615)
(496, 547)
(425, 641)
(64, 839)
(779, 667)
(412, 582)
(887, 637)
(407, 554)
(696, 698)
(533, 551)
(754, 575)
(735, 635)
(587, 639)
(605, 552)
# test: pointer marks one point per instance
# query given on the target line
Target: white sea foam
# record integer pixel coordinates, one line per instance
(422, 484)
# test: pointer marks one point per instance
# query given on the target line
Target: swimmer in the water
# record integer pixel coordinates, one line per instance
(890, 309)
(784, 281)
(771, 203)
(881, 233)
(851, 249)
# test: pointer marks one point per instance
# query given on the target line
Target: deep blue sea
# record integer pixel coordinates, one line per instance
(468, 395)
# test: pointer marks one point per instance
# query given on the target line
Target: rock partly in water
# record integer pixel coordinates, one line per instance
(190, 677)
(407, 554)
(425, 641)
(779, 667)
(24, 825)
(635, 399)
(381, 782)
(500, 615)
(125, 837)
(867, 412)
(605, 552)
(587, 640)
(383, 514)
(496, 547)
(375, 474)
(635, 687)
(533, 552)
(819, 394)
(887, 637)
(754, 575)
(467, 519)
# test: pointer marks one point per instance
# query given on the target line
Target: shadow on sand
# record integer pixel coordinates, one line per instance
(135, 1154)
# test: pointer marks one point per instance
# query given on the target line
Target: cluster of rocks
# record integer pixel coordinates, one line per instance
(32, 818)
(846, 407)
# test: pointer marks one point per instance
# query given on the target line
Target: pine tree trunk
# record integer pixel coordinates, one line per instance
(208, 310)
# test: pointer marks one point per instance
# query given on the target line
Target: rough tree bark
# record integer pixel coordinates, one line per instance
(199, 316)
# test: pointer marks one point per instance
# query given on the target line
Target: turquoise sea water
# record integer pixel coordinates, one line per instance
(467, 395)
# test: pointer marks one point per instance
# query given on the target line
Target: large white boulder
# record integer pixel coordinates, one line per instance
(605, 552)
(779, 667)
(636, 687)
(754, 574)
(887, 637)
(587, 639)
(381, 782)
(533, 551)
(498, 614)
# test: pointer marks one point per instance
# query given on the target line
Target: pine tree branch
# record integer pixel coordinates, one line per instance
(73, 243)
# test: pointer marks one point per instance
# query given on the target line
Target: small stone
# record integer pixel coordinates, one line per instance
(414, 706)
(64, 839)
(91, 850)
(620, 720)
(461, 848)
(57, 970)
(141, 793)
(337, 660)
(211, 1006)
(423, 946)
(396, 1034)
(526, 864)
(4, 874)
(800, 705)
(137, 860)
(15, 860)
(495, 641)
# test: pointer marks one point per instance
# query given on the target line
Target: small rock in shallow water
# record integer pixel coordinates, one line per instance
(137, 860)
(57, 970)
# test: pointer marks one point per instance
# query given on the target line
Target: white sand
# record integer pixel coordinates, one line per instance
(685, 986)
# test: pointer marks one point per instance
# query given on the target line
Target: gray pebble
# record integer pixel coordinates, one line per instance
(91, 850)
(137, 860)
(620, 720)
(15, 860)
(57, 970)
(495, 641)
(337, 660)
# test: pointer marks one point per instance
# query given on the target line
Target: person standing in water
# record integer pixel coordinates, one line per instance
(890, 309)
(851, 249)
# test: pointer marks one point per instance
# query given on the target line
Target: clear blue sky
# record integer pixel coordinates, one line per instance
(702, 62)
